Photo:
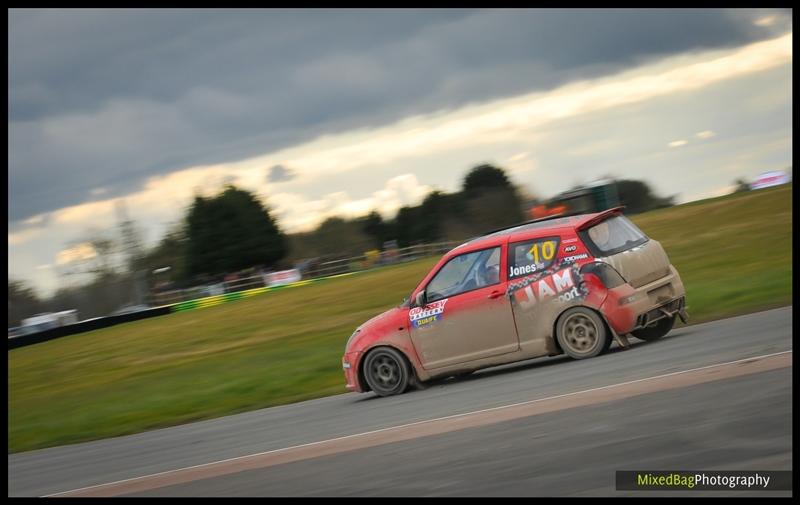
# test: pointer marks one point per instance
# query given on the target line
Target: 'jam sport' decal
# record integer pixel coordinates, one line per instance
(422, 316)
(561, 282)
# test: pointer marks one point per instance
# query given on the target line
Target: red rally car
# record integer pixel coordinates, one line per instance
(557, 285)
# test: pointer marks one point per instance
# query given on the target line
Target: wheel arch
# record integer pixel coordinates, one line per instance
(554, 338)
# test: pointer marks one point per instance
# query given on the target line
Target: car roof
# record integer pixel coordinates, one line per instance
(545, 226)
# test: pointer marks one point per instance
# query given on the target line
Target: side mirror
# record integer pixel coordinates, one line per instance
(419, 300)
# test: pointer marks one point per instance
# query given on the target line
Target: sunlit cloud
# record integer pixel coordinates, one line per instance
(78, 252)
(706, 134)
(519, 116)
(298, 214)
(765, 20)
(94, 212)
(508, 120)
(593, 148)
(678, 143)
(22, 236)
(518, 157)
(37, 220)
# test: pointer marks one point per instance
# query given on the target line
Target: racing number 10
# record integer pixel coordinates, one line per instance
(548, 251)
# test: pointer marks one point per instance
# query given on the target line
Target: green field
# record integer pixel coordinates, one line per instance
(733, 253)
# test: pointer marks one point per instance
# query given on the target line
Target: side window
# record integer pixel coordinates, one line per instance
(464, 273)
(531, 256)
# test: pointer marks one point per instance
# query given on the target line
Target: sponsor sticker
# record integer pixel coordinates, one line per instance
(532, 256)
(570, 248)
(522, 270)
(423, 316)
(562, 283)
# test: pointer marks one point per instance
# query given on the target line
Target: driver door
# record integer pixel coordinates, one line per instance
(467, 316)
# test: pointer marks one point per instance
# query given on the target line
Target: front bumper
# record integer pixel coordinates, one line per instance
(350, 362)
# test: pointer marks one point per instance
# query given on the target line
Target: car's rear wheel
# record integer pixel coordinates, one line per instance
(656, 331)
(386, 371)
(581, 333)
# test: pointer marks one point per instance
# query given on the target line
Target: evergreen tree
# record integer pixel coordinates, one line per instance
(229, 232)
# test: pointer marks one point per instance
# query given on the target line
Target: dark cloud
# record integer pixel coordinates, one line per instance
(279, 173)
(106, 98)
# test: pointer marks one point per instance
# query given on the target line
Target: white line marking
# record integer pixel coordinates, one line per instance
(418, 422)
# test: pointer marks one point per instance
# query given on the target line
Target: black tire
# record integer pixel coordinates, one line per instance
(656, 331)
(581, 333)
(386, 371)
(609, 340)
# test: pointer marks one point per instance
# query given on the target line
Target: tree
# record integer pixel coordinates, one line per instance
(336, 235)
(485, 177)
(637, 196)
(99, 297)
(491, 200)
(406, 226)
(90, 257)
(168, 256)
(433, 209)
(374, 226)
(230, 232)
(130, 237)
(22, 302)
(741, 185)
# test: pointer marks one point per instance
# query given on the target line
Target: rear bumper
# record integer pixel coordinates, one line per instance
(629, 308)
(676, 306)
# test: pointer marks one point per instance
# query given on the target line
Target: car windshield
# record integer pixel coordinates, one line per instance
(615, 235)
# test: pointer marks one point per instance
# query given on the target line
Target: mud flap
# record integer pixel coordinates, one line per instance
(622, 340)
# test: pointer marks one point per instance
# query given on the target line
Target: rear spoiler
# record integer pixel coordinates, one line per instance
(599, 217)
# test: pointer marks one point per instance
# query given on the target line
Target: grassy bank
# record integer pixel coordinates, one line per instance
(733, 253)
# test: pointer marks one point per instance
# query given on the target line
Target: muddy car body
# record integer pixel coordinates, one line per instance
(559, 285)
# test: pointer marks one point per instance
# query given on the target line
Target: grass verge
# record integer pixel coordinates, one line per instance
(733, 253)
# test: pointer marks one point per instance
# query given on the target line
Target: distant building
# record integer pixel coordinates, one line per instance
(594, 197)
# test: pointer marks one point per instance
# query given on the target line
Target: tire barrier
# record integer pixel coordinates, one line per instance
(104, 322)
(84, 326)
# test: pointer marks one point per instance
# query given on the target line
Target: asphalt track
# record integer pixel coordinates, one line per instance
(697, 420)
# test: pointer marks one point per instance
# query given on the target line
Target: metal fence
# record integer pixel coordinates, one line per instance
(313, 271)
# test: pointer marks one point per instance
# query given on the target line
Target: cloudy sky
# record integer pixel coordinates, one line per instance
(338, 112)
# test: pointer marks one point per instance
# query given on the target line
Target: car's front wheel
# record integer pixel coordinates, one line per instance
(386, 371)
(656, 331)
(581, 333)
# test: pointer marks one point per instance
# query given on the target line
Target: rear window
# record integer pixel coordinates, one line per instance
(612, 236)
